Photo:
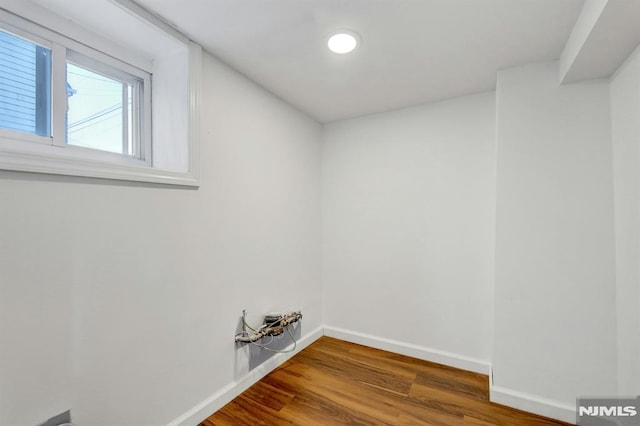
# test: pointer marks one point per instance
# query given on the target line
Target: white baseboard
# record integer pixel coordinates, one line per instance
(532, 404)
(499, 395)
(219, 399)
(408, 349)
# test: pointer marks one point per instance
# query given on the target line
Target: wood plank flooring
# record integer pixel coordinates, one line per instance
(332, 382)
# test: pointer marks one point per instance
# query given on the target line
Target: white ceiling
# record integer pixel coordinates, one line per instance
(413, 51)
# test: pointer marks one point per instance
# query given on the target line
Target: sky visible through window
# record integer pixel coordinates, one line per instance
(95, 116)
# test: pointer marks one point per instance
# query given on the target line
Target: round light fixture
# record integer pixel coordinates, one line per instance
(343, 42)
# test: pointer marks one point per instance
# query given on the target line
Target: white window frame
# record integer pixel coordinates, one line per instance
(32, 153)
(112, 68)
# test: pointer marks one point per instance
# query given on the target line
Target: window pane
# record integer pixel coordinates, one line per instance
(25, 86)
(98, 113)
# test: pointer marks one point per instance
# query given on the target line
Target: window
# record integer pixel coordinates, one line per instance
(76, 102)
(103, 101)
(25, 85)
(104, 108)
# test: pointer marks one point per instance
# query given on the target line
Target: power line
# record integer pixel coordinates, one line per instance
(98, 114)
(104, 80)
(106, 117)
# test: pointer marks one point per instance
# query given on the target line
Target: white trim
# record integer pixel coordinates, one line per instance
(532, 404)
(225, 395)
(65, 165)
(21, 137)
(195, 90)
(143, 119)
(499, 395)
(108, 66)
(58, 29)
(428, 354)
(16, 31)
(59, 100)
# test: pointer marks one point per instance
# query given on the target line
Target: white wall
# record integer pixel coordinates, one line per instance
(555, 320)
(408, 225)
(625, 123)
(120, 301)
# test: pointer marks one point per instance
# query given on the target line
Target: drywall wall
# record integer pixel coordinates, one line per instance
(120, 300)
(555, 321)
(408, 226)
(625, 131)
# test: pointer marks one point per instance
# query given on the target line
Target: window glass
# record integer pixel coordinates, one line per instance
(99, 114)
(25, 86)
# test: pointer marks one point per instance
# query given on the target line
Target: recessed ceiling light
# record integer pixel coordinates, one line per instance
(343, 42)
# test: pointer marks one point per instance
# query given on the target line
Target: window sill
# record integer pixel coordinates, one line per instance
(49, 159)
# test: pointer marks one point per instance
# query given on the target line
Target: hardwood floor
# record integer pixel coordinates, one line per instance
(332, 382)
